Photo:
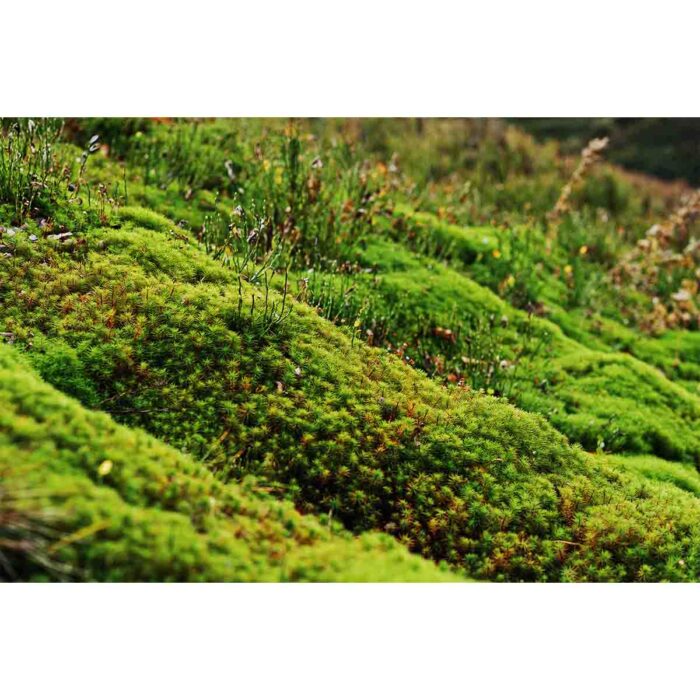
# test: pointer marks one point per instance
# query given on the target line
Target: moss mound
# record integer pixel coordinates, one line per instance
(614, 401)
(684, 476)
(84, 498)
(599, 399)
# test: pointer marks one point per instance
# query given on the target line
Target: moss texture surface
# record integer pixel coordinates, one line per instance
(445, 395)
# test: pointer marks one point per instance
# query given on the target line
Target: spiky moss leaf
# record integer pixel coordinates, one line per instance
(347, 429)
(119, 505)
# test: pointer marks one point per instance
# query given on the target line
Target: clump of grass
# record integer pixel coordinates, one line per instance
(484, 365)
(675, 229)
(31, 175)
(179, 152)
(314, 199)
(239, 244)
(271, 311)
(515, 269)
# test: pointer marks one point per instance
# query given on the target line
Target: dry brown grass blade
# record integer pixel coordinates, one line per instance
(589, 156)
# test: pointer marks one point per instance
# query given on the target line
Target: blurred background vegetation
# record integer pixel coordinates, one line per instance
(667, 148)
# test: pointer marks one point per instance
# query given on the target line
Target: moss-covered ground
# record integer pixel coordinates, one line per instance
(431, 374)
(94, 500)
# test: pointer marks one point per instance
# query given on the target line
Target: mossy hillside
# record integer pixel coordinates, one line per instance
(169, 173)
(334, 434)
(156, 330)
(166, 162)
(111, 503)
(433, 309)
(676, 354)
(601, 400)
(436, 317)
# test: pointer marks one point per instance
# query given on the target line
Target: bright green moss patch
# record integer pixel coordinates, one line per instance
(146, 218)
(684, 476)
(376, 391)
(466, 243)
(603, 400)
(441, 287)
(620, 540)
(115, 504)
(160, 332)
(615, 402)
(675, 353)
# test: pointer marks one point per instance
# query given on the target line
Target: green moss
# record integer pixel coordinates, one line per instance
(600, 399)
(146, 218)
(115, 504)
(133, 318)
(656, 522)
(59, 364)
(675, 353)
(466, 243)
(615, 402)
(684, 476)
(340, 426)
